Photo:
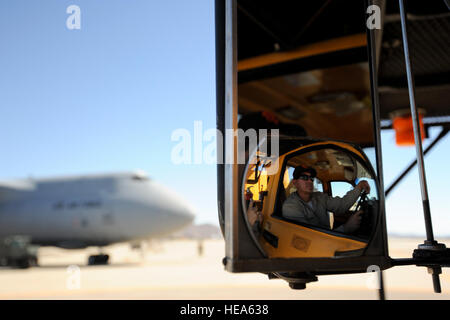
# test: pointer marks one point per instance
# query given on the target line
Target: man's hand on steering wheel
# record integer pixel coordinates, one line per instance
(362, 201)
(363, 185)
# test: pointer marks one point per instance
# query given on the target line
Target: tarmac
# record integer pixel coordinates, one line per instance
(175, 270)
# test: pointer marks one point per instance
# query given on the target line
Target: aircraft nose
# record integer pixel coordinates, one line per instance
(184, 215)
(175, 211)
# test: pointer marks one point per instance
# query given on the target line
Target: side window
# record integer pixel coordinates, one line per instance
(318, 186)
(340, 188)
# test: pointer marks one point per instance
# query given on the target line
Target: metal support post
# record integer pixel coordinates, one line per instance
(430, 243)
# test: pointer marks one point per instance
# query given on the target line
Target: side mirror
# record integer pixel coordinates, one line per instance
(320, 88)
(294, 248)
(283, 225)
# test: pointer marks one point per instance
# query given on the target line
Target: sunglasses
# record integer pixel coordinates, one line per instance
(306, 178)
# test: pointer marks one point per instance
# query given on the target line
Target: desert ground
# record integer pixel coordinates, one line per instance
(173, 270)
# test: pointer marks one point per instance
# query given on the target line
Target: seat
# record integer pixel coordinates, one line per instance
(290, 188)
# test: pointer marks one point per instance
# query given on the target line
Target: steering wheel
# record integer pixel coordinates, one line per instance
(366, 220)
(362, 201)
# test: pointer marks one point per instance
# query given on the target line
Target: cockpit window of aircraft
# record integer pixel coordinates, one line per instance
(321, 202)
(139, 177)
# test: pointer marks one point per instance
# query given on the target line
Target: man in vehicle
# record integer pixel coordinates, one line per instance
(307, 206)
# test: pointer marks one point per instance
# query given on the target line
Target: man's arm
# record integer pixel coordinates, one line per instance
(341, 205)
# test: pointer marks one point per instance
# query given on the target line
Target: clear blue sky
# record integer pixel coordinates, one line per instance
(107, 98)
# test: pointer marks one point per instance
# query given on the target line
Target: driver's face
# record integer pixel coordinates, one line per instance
(305, 185)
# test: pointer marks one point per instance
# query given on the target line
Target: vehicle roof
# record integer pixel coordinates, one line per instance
(267, 28)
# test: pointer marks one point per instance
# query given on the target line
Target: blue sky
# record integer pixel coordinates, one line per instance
(404, 213)
(109, 96)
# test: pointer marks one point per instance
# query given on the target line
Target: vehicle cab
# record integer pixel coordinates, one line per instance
(339, 166)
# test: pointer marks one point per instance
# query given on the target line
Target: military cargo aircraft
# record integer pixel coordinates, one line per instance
(90, 210)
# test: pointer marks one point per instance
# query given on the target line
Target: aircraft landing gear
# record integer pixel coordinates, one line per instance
(99, 259)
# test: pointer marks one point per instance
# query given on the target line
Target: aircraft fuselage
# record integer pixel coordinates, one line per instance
(91, 211)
